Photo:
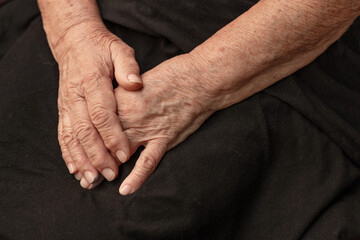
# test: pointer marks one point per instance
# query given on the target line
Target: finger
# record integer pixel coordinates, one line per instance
(77, 153)
(85, 184)
(145, 165)
(78, 176)
(101, 105)
(64, 150)
(127, 71)
(91, 142)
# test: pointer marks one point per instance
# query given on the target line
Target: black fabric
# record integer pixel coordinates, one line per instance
(283, 164)
(185, 23)
(11, 24)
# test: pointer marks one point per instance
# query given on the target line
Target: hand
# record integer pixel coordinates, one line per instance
(170, 107)
(90, 134)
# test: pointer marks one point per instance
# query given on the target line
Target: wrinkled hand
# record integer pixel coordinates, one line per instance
(90, 134)
(170, 107)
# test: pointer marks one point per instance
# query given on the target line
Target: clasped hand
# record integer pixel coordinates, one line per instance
(99, 127)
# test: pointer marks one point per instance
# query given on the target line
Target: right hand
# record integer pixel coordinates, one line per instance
(173, 104)
(89, 131)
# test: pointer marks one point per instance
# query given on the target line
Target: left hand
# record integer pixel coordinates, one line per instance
(171, 106)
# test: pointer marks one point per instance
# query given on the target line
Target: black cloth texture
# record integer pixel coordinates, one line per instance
(282, 164)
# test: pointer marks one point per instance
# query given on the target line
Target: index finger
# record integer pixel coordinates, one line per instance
(101, 105)
(145, 165)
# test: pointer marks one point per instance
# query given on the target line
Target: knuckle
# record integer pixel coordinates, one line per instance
(60, 103)
(68, 138)
(128, 51)
(60, 137)
(139, 177)
(70, 90)
(65, 155)
(64, 152)
(111, 142)
(99, 116)
(148, 163)
(84, 131)
(61, 111)
(91, 76)
(91, 82)
(96, 160)
(77, 159)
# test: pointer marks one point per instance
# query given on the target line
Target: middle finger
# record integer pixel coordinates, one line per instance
(91, 141)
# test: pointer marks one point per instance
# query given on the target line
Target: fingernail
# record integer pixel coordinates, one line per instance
(89, 176)
(121, 156)
(71, 168)
(134, 78)
(108, 173)
(125, 190)
(77, 176)
(84, 183)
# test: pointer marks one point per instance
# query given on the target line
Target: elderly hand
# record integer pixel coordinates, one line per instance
(180, 93)
(170, 107)
(88, 56)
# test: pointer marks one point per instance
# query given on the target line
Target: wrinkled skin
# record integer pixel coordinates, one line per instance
(270, 41)
(171, 106)
(90, 134)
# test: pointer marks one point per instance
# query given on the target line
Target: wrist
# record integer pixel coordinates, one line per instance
(76, 35)
(218, 76)
(65, 21)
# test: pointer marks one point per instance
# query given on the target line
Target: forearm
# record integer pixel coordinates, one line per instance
(65, 21)
(269, 42)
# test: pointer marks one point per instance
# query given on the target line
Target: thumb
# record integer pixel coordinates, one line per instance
(145, 165)
(127, 71)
